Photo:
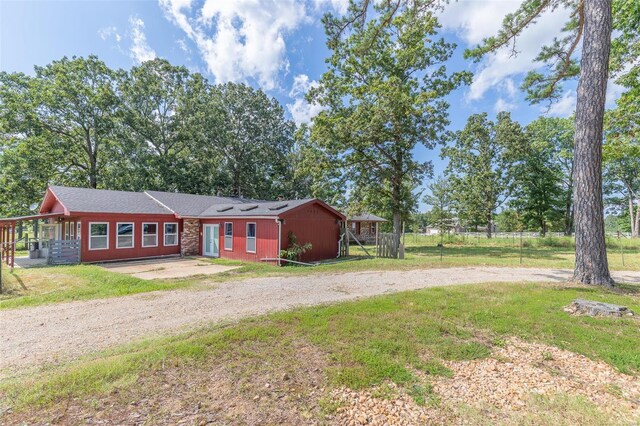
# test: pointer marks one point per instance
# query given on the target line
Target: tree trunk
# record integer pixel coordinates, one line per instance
(592, 266)
(634, 229)
(568, 211)
(397, 231)
(489, 226)
(637, 224)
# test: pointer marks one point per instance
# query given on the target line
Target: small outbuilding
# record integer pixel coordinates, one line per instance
(92, 225)
(365, 227)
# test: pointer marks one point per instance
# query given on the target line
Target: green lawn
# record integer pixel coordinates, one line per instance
(35, 286)
(357, 344)
(41, 285)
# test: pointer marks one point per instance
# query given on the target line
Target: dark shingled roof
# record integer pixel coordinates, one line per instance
(192, 205)
(252, 208)
(366, 217)
(85, 200)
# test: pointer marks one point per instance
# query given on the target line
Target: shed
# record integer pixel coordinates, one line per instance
(365, 227)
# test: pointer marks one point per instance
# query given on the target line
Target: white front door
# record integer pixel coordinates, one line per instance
(211, 240)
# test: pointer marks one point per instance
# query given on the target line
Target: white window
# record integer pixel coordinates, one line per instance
(78, 230)
(228, 236)
(251, 237)
(170, 234)
(68, 230)
(98, 236)
(149, 235)
(125, 235)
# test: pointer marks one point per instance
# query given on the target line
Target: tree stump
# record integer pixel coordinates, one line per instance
(597, 309)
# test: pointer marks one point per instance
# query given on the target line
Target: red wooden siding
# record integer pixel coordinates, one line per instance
(266, 239)
(313, 223)
(113, 253)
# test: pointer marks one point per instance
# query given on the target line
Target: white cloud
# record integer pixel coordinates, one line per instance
(340, 6)
(301, 110)
(239, 39)
(565, 107)
(475, 20)
(140, 50)
(504, 105)
(108, 32)
(182, 44)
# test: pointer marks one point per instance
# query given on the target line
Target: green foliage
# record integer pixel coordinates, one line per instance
(562, 55)
(621, 156)
(294, 251)
(509, 220)
(383, 96)
(255, 140)
(482, 166)
(544, 178)
(442, 203)
(157, 126)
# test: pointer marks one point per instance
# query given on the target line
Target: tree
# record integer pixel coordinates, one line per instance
(509, 220)
(621, 166)
(383, 95)
(156, 140)
(554, 138)
(73, 104)
(591, 24)
(313, 174)
(482, 168)
(544, 179)
(441, 201)
(255, 141)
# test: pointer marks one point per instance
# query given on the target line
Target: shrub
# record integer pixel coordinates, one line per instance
(294, 251)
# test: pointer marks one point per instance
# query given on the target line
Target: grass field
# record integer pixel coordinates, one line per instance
(405, 339)
(35, 286)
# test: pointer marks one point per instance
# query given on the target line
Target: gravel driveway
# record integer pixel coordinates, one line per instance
(52, 333)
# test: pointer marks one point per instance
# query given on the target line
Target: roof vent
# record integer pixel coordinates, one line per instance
(278, 207)
(224, 209)
(249, 207)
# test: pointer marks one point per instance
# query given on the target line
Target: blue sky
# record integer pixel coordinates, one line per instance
(278, 45)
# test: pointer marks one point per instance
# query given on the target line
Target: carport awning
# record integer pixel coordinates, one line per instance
(10, 220)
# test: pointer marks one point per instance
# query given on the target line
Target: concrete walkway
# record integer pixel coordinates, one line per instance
(52, 333)
(154, 269)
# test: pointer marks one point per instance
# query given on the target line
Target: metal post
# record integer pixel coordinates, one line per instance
(521, 247)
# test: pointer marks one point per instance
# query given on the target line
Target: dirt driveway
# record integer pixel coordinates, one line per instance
(167, 268)
(52, 333)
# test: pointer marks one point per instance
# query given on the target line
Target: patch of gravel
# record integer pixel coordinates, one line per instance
(54, 333)
(504, 382)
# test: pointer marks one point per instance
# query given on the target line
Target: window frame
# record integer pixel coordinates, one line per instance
(164, 234)
(145, 235)
(230, 236)
(133, 235)
(101, 236)
(254, 238)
